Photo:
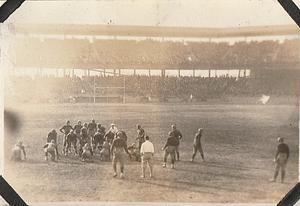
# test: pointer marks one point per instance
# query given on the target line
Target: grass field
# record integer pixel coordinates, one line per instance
(239, 143)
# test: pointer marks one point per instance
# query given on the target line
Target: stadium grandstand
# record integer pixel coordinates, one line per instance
(93, 63)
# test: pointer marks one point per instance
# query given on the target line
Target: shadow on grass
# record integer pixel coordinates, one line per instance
(179, 186)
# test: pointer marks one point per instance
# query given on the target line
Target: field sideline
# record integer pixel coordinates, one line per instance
(239, 143)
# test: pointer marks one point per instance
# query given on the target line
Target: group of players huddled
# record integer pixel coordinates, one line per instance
(89, 137)
(84, 139)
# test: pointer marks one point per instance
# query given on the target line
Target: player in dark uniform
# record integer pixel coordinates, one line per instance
(66, 129)
(84, 138)
(170, 149)
(85, 125)
(122, 135)
(53, 136)
(77, 129)
(197, 145)
(110, 134)
(117, 148)
(177, 134)
(98, 138)
(92, 128)
(281, 158)
(140, 135)
(71, 139)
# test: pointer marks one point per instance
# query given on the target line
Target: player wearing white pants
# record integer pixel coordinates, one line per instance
(147, 151)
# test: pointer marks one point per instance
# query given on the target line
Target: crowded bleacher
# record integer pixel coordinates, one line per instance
(131, 54)
(267, 61)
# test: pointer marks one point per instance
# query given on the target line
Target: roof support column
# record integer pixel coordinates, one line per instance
(163, 73)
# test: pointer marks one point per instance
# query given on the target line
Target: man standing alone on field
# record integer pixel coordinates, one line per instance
(147, 151)
(197, 144)
(177, 134)
(281, 158)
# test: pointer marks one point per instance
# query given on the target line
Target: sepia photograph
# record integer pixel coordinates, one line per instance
(136, 101)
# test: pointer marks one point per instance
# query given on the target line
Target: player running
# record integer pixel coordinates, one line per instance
(50, 148)
(281, 158)
(170, 149)
(140, 135)
(197, 144)
(117, 148)
(177, 134)
(17, 152)
(66, 129)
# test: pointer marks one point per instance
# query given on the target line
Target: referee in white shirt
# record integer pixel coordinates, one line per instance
(147, 151)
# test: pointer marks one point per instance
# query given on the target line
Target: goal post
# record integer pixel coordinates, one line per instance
(109, 93)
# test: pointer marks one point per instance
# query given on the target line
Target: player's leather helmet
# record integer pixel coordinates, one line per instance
(280, 139)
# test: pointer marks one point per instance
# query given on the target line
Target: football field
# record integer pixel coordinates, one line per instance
(239, 143)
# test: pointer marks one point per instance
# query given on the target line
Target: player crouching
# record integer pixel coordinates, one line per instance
(50, 148)
(86, 152)
(17, 152)
(134, 152)
(104, 152)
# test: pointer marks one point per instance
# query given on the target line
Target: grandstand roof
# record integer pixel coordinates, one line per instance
(151, 31)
